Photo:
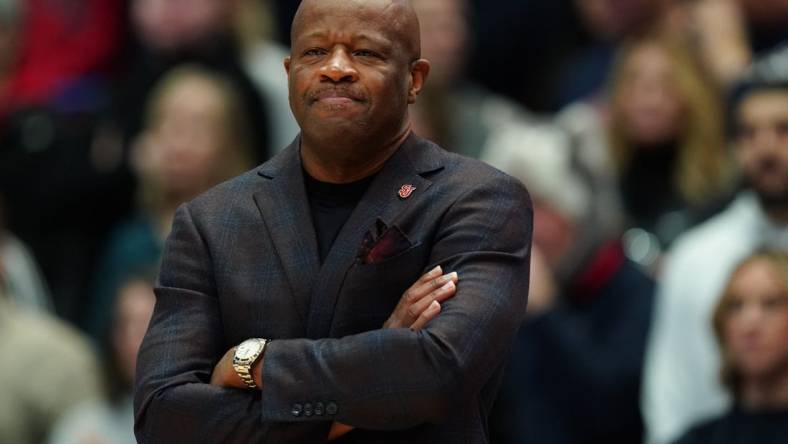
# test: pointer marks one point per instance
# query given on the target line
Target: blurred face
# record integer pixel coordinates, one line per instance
(350, 70)
(133, 312)
(168, 25)
(184, 148)
(649, 103)
(444, 34)
(762, 145)
(755, 328)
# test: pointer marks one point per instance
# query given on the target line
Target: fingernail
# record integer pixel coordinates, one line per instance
(436, 270)
(447, 285)
(453, 275)
(435, 306)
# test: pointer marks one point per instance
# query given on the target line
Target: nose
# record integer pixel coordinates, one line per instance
(339, 67)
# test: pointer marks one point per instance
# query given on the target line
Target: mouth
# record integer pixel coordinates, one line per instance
(336, 96)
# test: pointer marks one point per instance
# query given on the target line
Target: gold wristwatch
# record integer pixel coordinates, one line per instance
(246, 354)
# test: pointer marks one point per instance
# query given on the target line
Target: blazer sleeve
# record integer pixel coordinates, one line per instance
(397, 378)
(174, 401)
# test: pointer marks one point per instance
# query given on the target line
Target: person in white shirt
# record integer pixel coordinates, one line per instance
(681, 380)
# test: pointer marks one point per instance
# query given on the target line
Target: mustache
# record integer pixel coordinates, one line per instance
(336, 91)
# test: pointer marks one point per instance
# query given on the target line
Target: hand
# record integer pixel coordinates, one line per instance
(421, 303)
(418, 305)
(224, 375)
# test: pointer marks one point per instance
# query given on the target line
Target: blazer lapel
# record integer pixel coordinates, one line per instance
(382, 201)
(284, 207)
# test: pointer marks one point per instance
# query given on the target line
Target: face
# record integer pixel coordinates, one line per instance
(168, 25)
(755, 327)
(762, 144)
(649, 103)
(444, 34)
(132, 314)
(185, 146)
(351, 71)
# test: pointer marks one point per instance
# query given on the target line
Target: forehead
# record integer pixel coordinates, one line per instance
(349, 20)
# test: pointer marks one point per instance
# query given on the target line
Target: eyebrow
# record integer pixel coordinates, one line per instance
(359, 37)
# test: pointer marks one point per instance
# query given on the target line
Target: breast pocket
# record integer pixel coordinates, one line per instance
(370, 292)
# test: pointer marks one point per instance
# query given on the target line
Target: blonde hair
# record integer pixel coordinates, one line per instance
(237, 152)
(778, 260)
(704, 167)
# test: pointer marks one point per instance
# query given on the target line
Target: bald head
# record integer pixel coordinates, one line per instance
(398, 19)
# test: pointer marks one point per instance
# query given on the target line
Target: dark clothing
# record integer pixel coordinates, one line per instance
(653, 202)
(739, 427)
(331, 205)
(242, 262)
(574, 375)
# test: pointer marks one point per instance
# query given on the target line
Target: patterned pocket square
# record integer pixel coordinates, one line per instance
(389, 242)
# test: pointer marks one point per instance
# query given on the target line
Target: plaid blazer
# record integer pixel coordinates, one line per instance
(242, 262)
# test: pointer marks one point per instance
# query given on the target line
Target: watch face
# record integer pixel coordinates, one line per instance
(246, 350)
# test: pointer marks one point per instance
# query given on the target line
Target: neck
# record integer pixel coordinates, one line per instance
(347, 161)
(768, 393)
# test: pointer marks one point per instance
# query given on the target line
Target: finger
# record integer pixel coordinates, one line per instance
(415, 292)
(426, 316)
(421, 289)
(444, 292)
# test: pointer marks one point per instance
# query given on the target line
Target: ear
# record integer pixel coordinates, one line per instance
(419, 70)
(287, 65)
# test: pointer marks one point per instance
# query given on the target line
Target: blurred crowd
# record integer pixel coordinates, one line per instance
(652, 135)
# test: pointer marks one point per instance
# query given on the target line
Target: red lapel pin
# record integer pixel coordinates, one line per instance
(406, 190)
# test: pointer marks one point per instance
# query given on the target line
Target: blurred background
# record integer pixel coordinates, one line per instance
(652, 135)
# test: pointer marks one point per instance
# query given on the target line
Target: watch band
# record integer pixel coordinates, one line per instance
(243, 367)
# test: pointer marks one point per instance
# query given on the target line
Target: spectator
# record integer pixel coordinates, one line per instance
(111, 420)
(679, 384)
(451, 110)
(61, 200)
(170, 33)
(751, 328)
(574, 375)
(666, 136)
(46, 368)
(195, 136)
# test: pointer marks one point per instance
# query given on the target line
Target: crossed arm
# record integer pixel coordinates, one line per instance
(417, 306)
(485, 237)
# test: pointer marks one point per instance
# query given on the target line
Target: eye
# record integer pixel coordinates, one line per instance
(311, 52)
(772, 303)
(734, 305)
(366, 53)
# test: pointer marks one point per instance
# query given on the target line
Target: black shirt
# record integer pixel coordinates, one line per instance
(331, 205)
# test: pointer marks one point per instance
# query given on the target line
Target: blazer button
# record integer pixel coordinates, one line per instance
(331, 408)
(308, 410)
(297, 409)
(319, 409)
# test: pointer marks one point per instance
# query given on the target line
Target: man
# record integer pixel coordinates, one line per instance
(682, 384)
(305, 258)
